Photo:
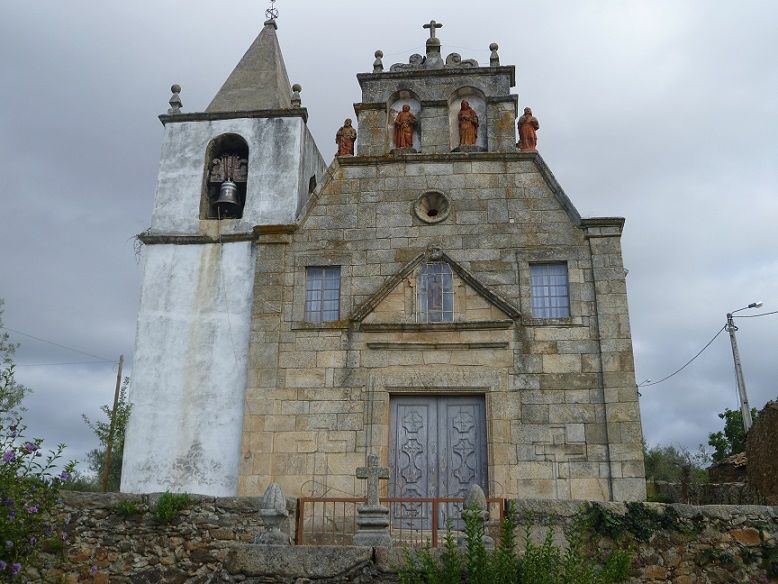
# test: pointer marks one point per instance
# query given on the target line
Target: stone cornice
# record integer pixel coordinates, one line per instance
(509, 70)
(213, 116)
(179, 239)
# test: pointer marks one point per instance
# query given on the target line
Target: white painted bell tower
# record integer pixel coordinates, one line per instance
(248, 160)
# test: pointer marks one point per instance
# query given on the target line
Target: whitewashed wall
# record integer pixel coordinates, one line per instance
(190, 368)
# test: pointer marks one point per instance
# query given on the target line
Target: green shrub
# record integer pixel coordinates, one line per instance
(127, 508)
(543, 563)
(169, 505)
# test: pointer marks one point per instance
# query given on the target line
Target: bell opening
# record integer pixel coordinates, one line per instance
(226, 178)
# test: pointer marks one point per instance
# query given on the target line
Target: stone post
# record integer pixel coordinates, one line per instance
(373, 518)
(273, 513)
(475, 503)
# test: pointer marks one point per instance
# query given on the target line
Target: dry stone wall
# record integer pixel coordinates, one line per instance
(210, 542)
(762, 453)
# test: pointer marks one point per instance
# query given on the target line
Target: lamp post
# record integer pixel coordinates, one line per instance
(745, 409)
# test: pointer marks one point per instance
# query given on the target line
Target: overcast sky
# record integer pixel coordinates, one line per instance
(661, 111)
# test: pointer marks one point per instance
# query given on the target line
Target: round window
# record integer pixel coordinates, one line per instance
(432, 207)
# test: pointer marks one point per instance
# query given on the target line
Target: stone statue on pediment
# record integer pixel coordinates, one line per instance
(528, 126)
(345, 139)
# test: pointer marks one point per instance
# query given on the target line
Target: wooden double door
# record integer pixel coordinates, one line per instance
(437, 449)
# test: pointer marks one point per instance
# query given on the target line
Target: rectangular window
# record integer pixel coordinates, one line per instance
(322, 293)
(435, 294)
(550, 298)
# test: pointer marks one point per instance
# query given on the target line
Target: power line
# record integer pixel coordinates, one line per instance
(755, 315)
(689, 362)
(56, 344)
(69, 363)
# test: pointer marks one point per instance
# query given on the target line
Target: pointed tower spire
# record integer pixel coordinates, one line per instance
(260, 81)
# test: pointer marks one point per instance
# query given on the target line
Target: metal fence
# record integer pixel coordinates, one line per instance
(414, 522)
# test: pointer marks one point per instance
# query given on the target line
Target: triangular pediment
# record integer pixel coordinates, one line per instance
(395, 301)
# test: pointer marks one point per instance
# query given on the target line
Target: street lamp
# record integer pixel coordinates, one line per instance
(745, 409)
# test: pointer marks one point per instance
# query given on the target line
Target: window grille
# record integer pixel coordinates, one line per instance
(322, 293)
(550, 296)
(435, 293)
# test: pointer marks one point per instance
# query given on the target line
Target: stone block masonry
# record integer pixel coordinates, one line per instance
(209, 543)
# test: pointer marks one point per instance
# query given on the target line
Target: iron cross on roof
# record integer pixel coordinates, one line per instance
(373, 473)
(432, 26)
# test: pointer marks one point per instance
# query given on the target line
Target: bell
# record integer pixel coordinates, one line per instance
(229, 200)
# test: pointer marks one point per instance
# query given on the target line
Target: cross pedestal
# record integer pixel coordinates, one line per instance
(372, 518)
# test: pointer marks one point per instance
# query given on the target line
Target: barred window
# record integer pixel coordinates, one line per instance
(550, 297)
(435, 293)
(322, 293)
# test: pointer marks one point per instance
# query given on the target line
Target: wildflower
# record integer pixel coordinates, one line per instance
(2, 566)
(32, 509)
(9, 543)
(9, 456)
(16, 568)
(30, 447)
(93, 570)
(11, 514)
(33, 540)
(64, 475)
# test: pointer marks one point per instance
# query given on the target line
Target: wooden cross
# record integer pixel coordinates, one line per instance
(373, 473)
(432, 26)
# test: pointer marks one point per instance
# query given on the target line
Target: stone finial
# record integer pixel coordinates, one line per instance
(175, 100)
(494, 58)
(378, 64)
(475, 499)
(475, 508)
(296, 100)
(274, 498)
(273, 513)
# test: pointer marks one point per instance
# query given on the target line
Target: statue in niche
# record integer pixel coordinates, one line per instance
(403, 128)
(345, 139)
(528, 125)
(468, 124)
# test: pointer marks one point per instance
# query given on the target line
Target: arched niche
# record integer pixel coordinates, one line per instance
(477, 101)
(394, 107)
(225, 178)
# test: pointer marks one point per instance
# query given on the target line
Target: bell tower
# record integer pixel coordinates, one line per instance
(248, 160)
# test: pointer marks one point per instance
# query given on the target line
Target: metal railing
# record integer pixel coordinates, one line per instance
(415, 522)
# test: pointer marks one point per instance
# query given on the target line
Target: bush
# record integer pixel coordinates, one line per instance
(127, 508)
(169, 505)
(544, 563)
(28, 492)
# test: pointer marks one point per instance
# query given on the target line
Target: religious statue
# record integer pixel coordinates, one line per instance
(403, 128)
(468, 125)
(345, 139)
(528, 124)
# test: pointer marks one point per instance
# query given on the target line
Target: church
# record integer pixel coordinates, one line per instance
(431, 296)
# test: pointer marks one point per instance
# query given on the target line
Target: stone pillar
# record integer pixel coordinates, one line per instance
(620, 400)
(501, 129)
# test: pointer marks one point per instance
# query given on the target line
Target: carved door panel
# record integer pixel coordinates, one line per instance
(437, 449)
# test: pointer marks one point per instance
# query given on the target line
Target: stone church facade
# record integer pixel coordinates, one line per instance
(442, 305)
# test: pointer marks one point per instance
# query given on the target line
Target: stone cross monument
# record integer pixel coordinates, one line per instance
(373, 473)
(373, 518)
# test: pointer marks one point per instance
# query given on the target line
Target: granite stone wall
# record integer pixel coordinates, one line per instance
(560, 396)
(210, 542)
